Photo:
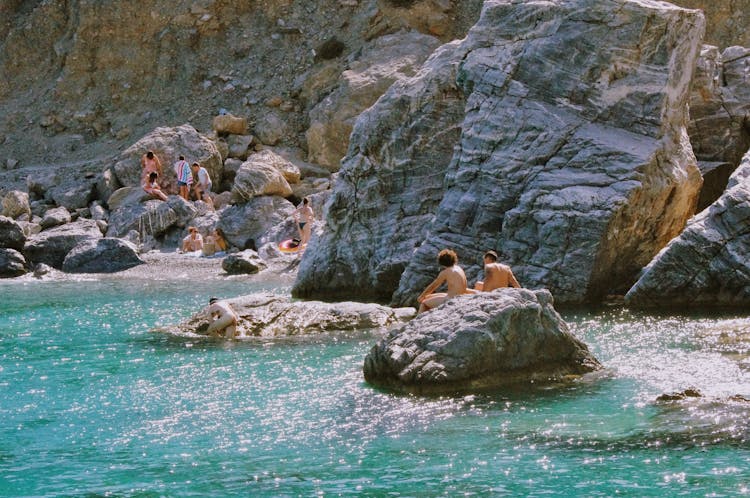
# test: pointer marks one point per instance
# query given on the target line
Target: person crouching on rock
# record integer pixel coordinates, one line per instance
(152, 188)
(223, 319)
(452, 275)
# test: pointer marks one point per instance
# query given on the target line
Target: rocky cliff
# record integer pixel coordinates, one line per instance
(554, 133)
(82, 78)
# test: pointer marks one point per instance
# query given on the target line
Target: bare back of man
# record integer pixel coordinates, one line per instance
(496, 276)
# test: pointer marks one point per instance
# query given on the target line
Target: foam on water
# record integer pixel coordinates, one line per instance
(93, 403)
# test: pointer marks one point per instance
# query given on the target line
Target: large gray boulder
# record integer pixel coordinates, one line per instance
(258, 177)
(107, 255)
(127, 196)
(708, 264)
(554, 132)
(72, 186)
(272, 315)
(253, 221)
(168, 144)
(12, 263)
(388, 59)
(11, 234)
(16, 204)
(152, 217)
(51, 246)
(55, 217)
(479, 341)
(245, 262)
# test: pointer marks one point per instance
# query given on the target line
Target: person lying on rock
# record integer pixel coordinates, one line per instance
(452, 276)
(152, 188)
(496, 275)
(193, 241)
(223, 319)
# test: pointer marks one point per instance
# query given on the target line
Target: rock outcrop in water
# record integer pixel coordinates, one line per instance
(708, 264)
(478, 341)
(271, 315)
(555, 133)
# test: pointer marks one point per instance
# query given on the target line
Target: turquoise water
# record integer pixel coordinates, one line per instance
(93, 404)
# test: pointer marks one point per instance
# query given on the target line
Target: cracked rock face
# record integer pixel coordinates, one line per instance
(553, 133)
(709, 263)
(479, 341)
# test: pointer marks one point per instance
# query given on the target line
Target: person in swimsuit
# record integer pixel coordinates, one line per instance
(184, 177)
(223, 319)
(496, 275)
(304, 216)
(149, 164)
(452, 276)
(193, 241)
(152, 188)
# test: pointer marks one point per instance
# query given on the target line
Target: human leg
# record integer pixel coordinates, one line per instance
(432, 301)
(221, 323)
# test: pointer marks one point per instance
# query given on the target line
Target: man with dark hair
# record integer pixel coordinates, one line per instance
(452, 276)
(496, 275)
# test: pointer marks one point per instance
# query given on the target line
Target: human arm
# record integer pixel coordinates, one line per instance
(512, 282)
(433, 286)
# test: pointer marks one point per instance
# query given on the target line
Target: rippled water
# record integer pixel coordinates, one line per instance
(92, 404)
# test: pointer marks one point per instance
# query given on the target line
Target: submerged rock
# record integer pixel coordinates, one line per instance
(708, 264)
(270, 315)
(479, 341)
(554, 133)
(107, 255)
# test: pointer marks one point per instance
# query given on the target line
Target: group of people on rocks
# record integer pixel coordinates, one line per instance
(194, 177)
(496, 275)
(214, 244)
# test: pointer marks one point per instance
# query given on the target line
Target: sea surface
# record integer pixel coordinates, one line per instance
(92, 403)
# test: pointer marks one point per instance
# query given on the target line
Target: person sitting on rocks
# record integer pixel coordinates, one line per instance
(152, 188)
(496, 275)
(452, 275)
(214, 243)
(193, 241)
(149, 164)
(223, 319)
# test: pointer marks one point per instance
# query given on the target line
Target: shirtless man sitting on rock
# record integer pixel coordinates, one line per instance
(223, 319)
(454, 278)
(496, 275)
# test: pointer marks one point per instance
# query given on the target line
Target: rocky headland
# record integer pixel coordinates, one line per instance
(599, 146)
